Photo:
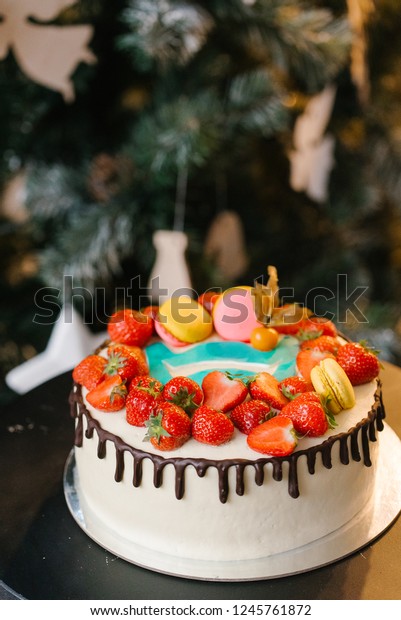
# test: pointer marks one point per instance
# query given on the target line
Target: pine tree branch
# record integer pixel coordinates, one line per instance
(164, 32)
(384, 155)
(90, 248)
(177, 134)
(88, 239)
(314, 45)
(294, 37)
(52, 191)
(255, 104)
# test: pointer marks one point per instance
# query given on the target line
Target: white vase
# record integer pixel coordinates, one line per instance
(70, 341)
(169, 276)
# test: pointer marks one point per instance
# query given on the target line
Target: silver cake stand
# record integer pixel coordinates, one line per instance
(366, 526)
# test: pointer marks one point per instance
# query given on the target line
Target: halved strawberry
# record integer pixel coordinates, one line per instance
(142, 401)
(308, 415)
(169, 427)
(127, 361)
(130, 327)
(321, 343)
(292, 386)
(184, 392)
(276, 437)
(108, 395)
(211, 427)
(265, 387)
(359, 362)
(249, 414)
(223, 391)
(308, 359)
(89, 372)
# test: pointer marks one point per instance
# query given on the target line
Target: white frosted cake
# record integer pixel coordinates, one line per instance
(224, 502)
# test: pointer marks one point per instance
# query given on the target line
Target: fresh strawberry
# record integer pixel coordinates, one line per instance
(130, 327)
(292, 386)
(211, 427)
(321, 343)
(151, 311)
(359, 362)
(145, 381)
(184, 392)
(129, 360)
(311, 327)
(315, 326)
(276, 437)
(308, 359)
(142, 401)
(108, 395)
(169, 427)
(222, 391)
(287, 329)
(266, 387)
(89, 372)
(308, 415)
(208, 299)
(287, 318)
(249, 414)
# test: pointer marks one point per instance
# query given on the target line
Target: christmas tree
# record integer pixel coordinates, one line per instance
(281, 114)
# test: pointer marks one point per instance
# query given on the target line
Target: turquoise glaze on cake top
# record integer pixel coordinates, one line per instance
(198, 360)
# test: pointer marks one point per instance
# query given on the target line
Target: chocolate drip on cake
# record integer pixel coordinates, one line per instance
(293, 488)
(259, 473)
(240, 487)
(137, 477)
(351, 445)
(344, 452)
(118, 476)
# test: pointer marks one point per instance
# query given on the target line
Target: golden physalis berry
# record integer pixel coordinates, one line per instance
(264, 338)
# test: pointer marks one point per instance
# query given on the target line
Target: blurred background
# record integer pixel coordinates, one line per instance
(267, 131)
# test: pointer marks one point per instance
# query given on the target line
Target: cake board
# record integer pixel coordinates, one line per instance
(379, 514)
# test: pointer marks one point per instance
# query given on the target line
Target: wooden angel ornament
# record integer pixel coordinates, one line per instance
(313, 157)
(47, 54)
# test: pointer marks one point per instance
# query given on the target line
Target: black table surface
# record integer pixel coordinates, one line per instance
(44, 554)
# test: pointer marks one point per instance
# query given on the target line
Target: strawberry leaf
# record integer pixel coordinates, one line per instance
(151, 389)
(184, 399)
(115, 363)
(239, 376)
(365, 344)
(304, 335)
(288, 394)
(155, 428)
(329, 415)
(118, 390)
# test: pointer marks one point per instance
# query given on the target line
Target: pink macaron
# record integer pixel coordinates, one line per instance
(167, 337)
(234, 315)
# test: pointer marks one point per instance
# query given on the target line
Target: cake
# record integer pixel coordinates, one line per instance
(228, 501)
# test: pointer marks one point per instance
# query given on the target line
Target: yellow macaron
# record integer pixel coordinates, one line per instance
(186, 319)
(332, 384)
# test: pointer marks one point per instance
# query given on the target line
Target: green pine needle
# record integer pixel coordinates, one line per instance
(164, 32)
